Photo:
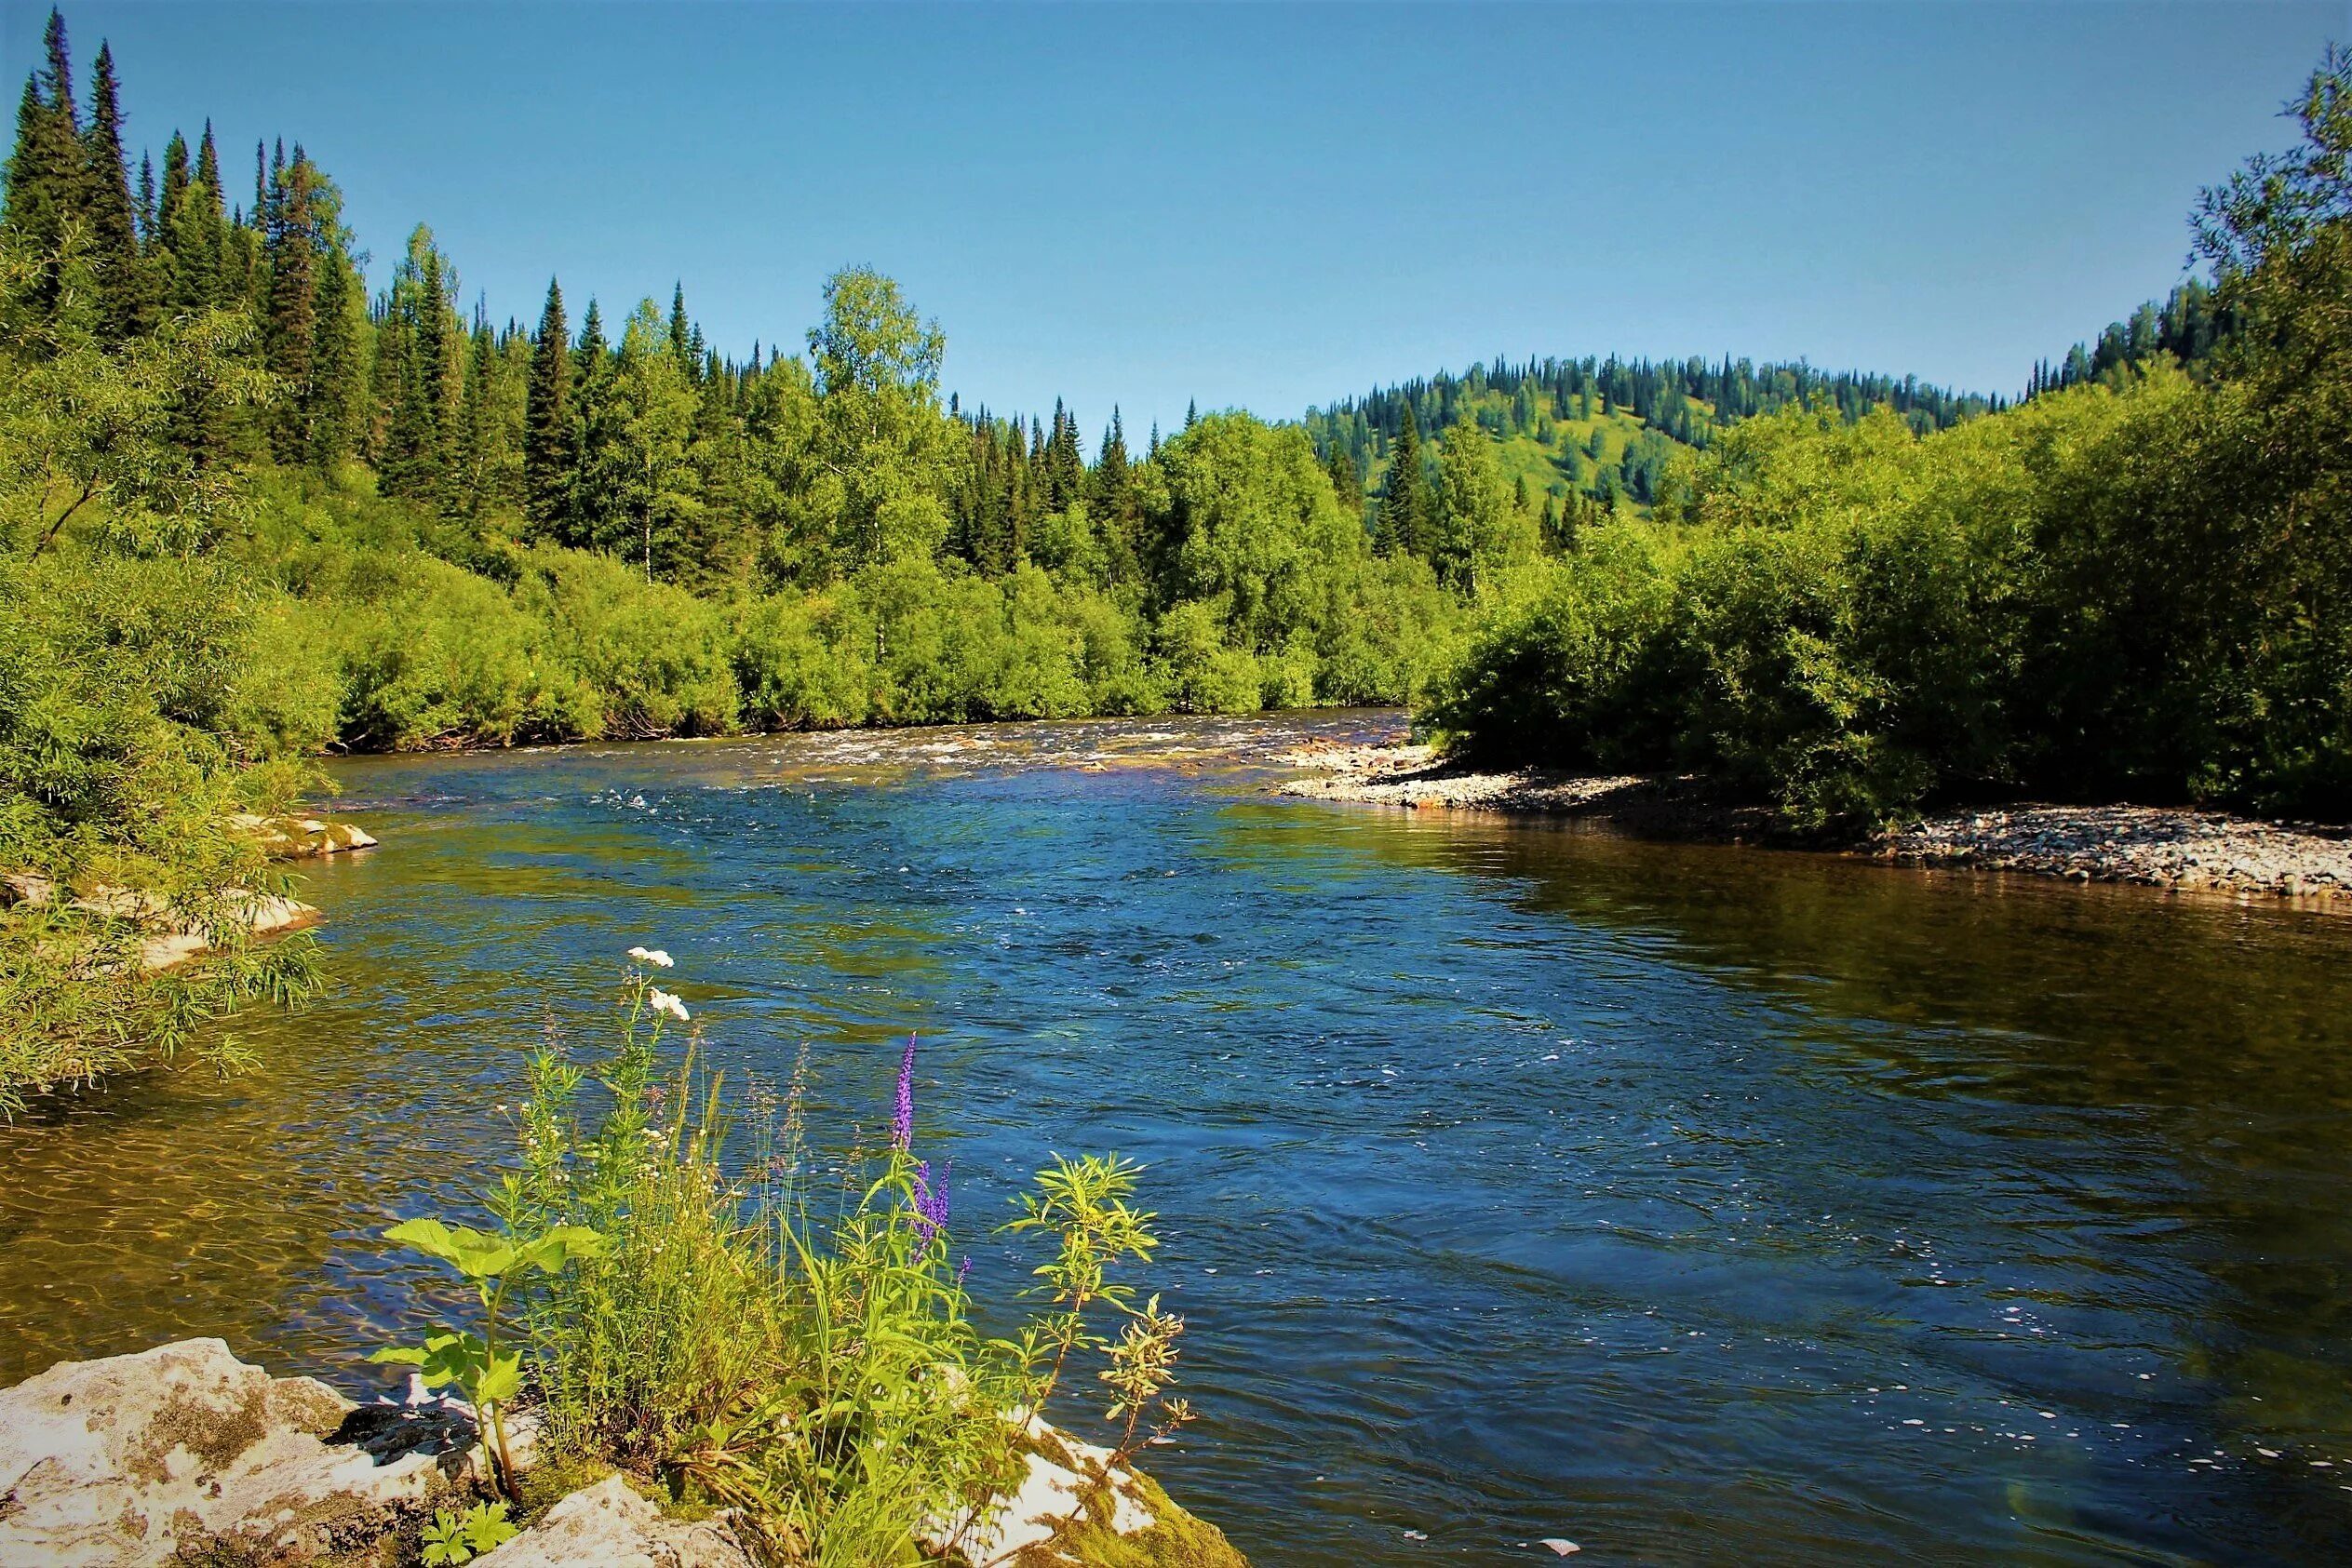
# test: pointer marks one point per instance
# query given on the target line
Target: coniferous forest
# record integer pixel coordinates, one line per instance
(256, 508)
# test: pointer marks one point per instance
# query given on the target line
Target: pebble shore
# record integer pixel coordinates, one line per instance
(2161, 846)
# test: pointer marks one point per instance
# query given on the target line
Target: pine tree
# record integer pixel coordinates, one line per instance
(1405, 499)
(149, 229)
(682, 337)
(291, 324)
(1115, 505)
(547, 433)
(49, 173)
(592, 368)
(1345, 483)
(1065, 468)
(125, 307)
(194, 225)
(426, 396)
(337, 365)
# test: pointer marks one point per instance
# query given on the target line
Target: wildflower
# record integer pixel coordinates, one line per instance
(931, 1202)
(902, 1121)
(662, 1001)
(654, 956)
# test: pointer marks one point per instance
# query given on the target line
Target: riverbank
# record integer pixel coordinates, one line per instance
(184, 1454)
(2162, 847)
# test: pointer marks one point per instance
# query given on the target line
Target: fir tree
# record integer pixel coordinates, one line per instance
(125, 307)
(1345, 483)
(194, 226)
(1065, 468)
(547, 433)
(337, 366)
(1112, 501)
(292, 322)
(1405, 499)
(49, 175)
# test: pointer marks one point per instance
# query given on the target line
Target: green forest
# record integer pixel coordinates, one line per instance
(2135, 584)
(255, 510)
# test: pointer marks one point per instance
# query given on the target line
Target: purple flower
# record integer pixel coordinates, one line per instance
(961, 1269)
(931, 1202)
(902, 1121)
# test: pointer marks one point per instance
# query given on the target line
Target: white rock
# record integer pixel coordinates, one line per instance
(119, 1463)
(1049, 1497)
(610, 1525)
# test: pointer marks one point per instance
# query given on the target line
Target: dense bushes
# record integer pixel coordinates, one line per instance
(2064, 598)
(419, 639)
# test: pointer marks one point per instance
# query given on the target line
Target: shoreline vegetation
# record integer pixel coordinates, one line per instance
(686, 1335)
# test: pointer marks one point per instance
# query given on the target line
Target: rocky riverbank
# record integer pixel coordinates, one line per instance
(1418, 778)
(2162, 847)
(184, 1454)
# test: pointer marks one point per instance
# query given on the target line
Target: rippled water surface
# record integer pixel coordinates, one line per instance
(1697, 1204)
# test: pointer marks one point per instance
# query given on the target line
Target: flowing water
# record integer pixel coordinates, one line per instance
(1697, 1204)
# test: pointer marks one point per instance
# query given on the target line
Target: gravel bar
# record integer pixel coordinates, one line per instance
(2157, 846)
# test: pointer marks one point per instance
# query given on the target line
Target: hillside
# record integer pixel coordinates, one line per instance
(1575, 436)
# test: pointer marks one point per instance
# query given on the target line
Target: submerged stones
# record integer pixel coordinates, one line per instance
(302, 837)
(2157, 846)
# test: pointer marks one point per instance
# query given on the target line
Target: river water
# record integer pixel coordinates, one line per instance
(1697, 1204)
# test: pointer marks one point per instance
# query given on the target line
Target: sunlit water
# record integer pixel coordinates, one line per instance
(1700, 1205)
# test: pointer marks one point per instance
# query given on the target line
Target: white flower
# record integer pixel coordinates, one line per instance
(658, 958)
(662, 1001)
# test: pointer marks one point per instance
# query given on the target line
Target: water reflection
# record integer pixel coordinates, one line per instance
(1700, 1205)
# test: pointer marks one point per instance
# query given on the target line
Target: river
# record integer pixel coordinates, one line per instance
(1700, 1205)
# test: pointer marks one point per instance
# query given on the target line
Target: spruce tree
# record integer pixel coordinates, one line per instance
(1405, 498)
(337, 364)
(1345, 483)
(49, 175)
(1115, 505)
(149, 229)
(548, 435)
(1065, 468)
(124, 307)
(292, 321)
(208, 226)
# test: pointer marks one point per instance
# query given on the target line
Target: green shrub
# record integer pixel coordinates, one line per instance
(700, 1310)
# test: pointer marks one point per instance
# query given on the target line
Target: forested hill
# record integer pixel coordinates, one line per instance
(1579, 433)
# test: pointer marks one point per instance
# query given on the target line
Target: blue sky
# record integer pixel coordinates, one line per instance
(1268, 207)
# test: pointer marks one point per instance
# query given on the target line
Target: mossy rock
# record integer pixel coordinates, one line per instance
(1175, 1538)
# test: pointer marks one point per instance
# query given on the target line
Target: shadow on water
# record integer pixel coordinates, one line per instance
(1702, 1205)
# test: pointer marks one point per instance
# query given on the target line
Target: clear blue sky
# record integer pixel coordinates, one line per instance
(1268, 207)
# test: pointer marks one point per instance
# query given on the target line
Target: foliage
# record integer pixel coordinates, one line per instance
(1083, 1205)
(684, 1307)
(488, 1377)
(140, 701)
(454, 1538)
